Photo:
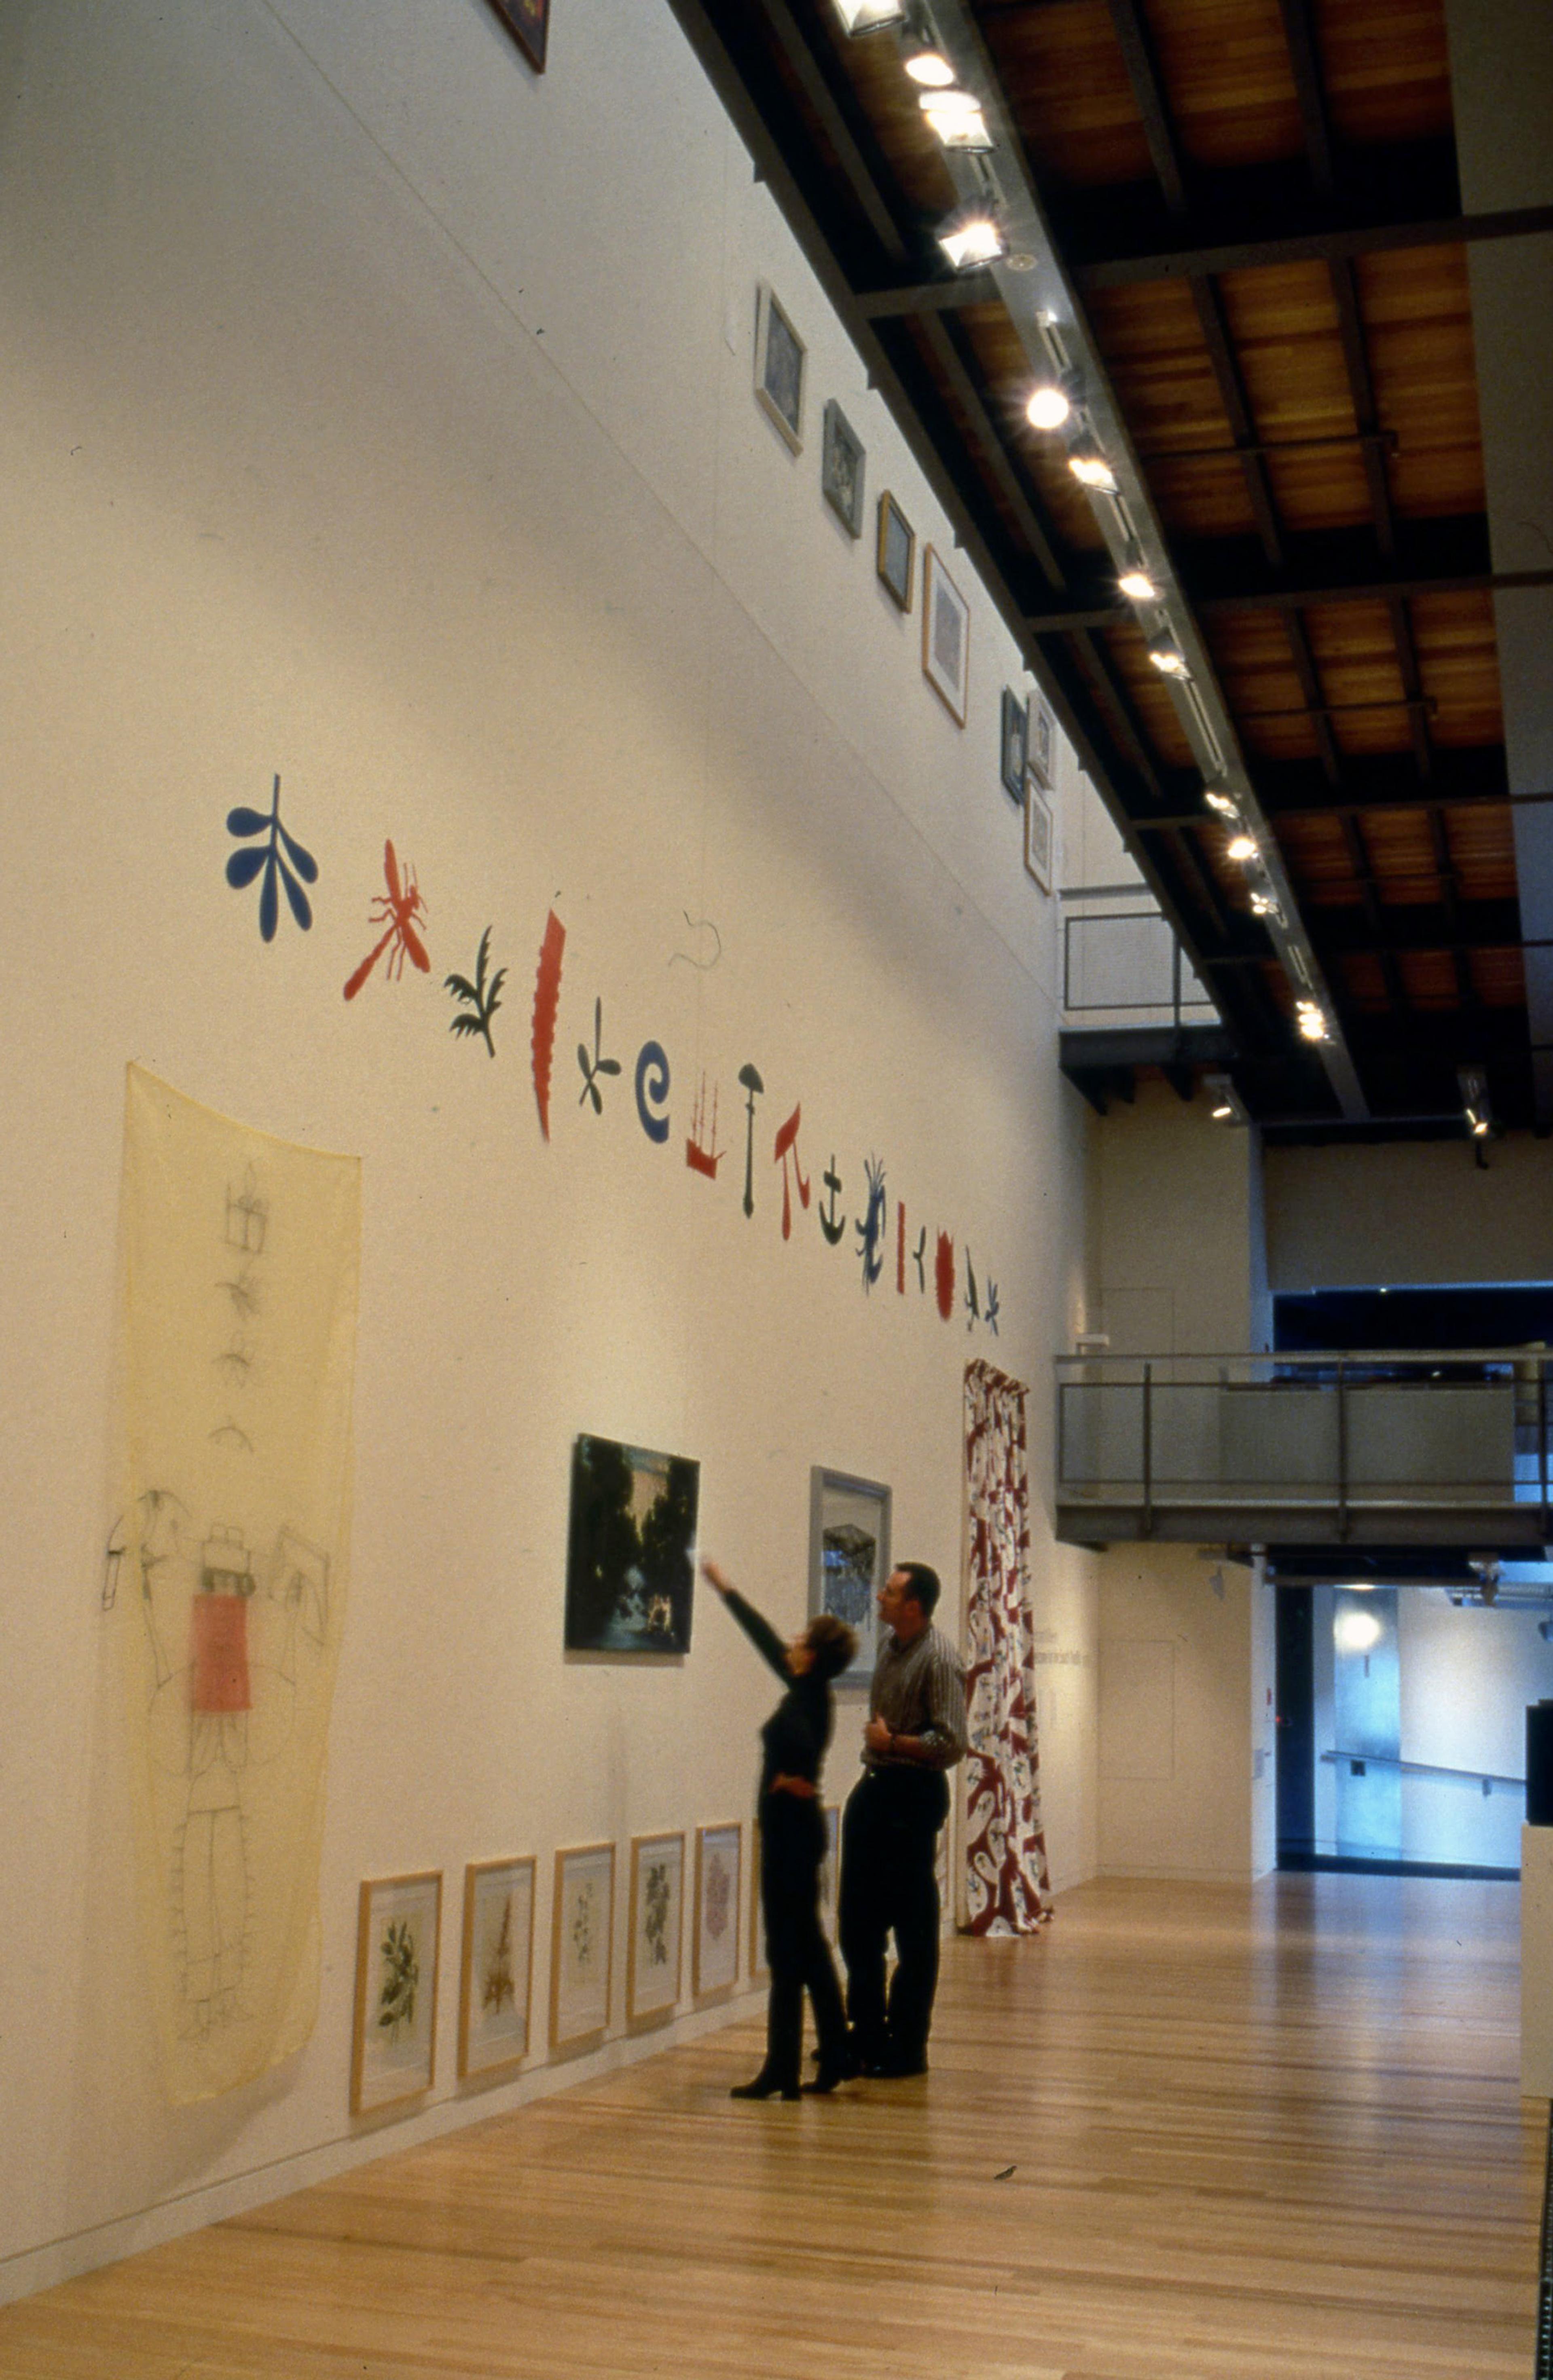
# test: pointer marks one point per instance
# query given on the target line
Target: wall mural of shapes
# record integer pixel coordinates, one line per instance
(284, 863)
(582, 1946)
(547, 1000)
(718, 1867)
(480, 998)
(631, 1555)
(394, 2045)
(496, 1982)
(652, 1966)
(398, 910)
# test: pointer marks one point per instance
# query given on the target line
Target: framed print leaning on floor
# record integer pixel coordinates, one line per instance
(718, 1866)
(582, 1943)
(394, 2041)
(495, 1986)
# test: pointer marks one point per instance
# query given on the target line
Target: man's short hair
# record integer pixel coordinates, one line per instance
(922, 1585)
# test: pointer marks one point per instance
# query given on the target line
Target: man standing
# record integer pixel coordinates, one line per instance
(916, 1732)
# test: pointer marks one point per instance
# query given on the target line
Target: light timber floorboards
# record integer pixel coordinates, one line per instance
(1270, 2131)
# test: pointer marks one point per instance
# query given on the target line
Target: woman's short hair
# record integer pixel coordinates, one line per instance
(832, 1643)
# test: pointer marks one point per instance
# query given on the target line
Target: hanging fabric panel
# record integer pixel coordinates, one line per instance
(239, 1289)
(1006, 1880)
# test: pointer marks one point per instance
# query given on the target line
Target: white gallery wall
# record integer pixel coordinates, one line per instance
(379, 416)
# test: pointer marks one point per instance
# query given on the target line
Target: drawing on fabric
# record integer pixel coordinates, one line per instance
(701, 956)
(872, 1229)
(397, 910)
(920, 1259)
(399, 1977)
(989, 1306)
(701, 1152)
(749, 1080)
(973, 1304)
(547, 999)
(270, 857)
(595, 1065)
(484, 999)
(630, 1563)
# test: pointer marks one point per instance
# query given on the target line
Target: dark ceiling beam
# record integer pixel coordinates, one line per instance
(1360, 392)
(1289, 597)
(928, 297)
(1316, 241)
(1148, 92)
(1299, 31)
(1232, 395)
(946, 344)
(837, 112)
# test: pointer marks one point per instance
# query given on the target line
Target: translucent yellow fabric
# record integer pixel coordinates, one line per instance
(240, 1257)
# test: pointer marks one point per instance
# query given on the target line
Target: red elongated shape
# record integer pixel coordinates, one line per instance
(547, 999)
(944, 1274)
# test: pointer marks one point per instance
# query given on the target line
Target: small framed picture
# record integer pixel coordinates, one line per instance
(582, 1928)
(946, 636)
(780, 358)
(1040, 744)
(896, 559)
(829, 1873)
(394, 2043)
(528, 22)
(657, 1927)
(849, 1562)
(842, 465)
(496, 1984)
(1037, 832)
(719, 1863)
(1016, 728)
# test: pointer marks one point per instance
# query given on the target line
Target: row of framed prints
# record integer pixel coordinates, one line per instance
(398, 1943)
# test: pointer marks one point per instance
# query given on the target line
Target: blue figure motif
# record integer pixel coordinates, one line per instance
(972, 1310)
(652, 1089)
(595, 1066)
(870, 1231)
(832, 1224)
(919, 1255)
(244, 866)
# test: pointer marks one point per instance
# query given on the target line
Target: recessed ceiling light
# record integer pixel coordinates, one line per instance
(1168, 657)
(1139, 587)
(927, 65)
(869, 16)
(956, 116)
(971, 239)
(1312, 1023)
(1090, 467)
(1047, 408)
(1243, 847)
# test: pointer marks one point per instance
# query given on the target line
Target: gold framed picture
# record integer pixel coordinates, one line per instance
(652, 1962)
(582, 1946)
(718, 1867)
(496, 1981)
(896, 552)
(394, 2039)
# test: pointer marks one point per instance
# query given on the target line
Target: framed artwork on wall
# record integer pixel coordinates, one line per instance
(946, 636)
(780, 358)
(1038, 832)
(895, 555)
(719, 1863)
(495, 1986)
(849, 1562)
(657, 1926)
(842, 466)
(831, 1874)
(1016, 724)
(528, 22)
(1040, 746)
(582, 1946)
(631, 1554)
(394, 2040)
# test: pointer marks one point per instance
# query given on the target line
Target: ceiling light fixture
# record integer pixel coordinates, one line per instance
(1312, 1023)
(1223, 804)
(1263, 906)
(956, 116)
(972, 237)
(1168, 657)
(1139, 587)
(1048, 407)
(870, 16)
(1243, 848)
(1088, 466)
(924, 60)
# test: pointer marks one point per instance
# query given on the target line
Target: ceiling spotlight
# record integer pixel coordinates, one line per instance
(1090, 467)
(1312, 1023)
(869, 16)
(956, 116)
(1243, 847)
(1227, 1106)
(924, 60)
(1168, 657)
(1263, 906)
(972, 237)
(1048, 407)
(1476, 1107)
(1139, 587)
(1223, 804)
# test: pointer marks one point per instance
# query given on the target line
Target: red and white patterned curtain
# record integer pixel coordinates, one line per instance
(1006, 1880)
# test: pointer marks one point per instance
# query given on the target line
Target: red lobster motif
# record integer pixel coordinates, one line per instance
(397, 908)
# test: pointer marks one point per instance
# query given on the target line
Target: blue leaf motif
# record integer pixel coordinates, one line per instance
(242, 867)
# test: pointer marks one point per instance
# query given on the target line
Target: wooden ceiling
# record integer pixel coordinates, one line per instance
(1258, 203)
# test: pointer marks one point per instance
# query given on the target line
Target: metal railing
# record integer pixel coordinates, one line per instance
(1123, 961)
(1334, 1445)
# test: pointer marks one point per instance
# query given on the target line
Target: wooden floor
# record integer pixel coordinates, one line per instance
(1265, 2131)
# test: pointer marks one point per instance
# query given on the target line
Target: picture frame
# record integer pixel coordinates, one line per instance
(631, 1549)
(714, 1966)
(781, 363)
(582, 1946)
(1014, 744)
(398, 1941)
(496, 1976)
(946, 636)
(1040, 744)
(528, 23)
(896, 552)
(831, 1874)
(849, 1562)
(657, 1936)
(843, 465)
(1039, 831)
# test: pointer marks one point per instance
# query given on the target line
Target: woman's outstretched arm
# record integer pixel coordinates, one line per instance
(761, 1634)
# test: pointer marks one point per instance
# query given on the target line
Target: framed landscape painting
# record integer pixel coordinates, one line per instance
(393, 2044)
(582, 1930)
(946, 636)
(496, 1982)
(719, 1863)
(849, 1562)
(631, 1555)
(657, 1926)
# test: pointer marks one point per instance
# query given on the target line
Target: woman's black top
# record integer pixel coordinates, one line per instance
(797, 1734)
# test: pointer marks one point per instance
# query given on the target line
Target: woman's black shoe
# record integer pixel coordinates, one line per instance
(839, 2068)
(764, 2086)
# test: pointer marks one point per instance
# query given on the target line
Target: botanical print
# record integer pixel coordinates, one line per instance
(498, 1934)
(584, 1917)
(717, 1909)
(945, 632)
(394, 2047)
(658, 1893)
(497, 1987)
(779, 369)
(656, 1874)
(399, 1960)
